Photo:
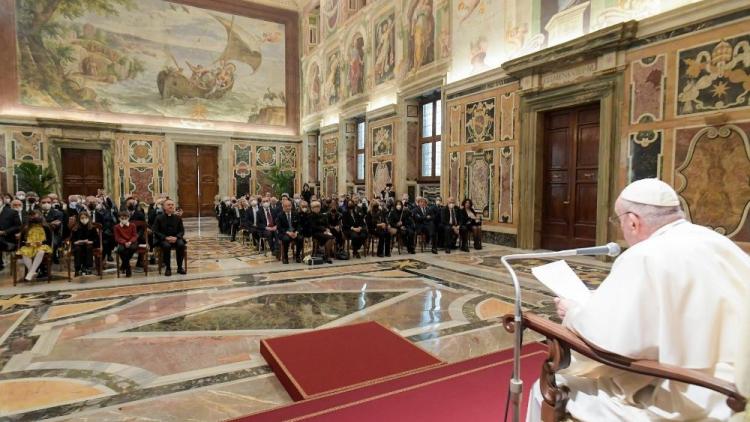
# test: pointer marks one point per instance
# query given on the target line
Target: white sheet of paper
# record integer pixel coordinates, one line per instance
(562, 280)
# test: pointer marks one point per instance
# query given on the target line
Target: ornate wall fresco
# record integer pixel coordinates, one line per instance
(419, 18)
(152, 57)
(140, 165)
(714, 76)
(645, 155)
(505, 184)
(314, 92)
(384, 48)
(480, 121)
(647, 81)
(334, 87)
(712, 167)
(382, 140)
(479, 180)
(356, 65)
(382, 174)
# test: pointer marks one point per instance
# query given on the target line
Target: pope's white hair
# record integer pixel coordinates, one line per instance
(652, 215)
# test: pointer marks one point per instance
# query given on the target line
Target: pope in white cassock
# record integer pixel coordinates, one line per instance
(676, 296)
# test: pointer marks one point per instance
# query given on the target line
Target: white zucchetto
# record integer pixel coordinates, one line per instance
(651, 192)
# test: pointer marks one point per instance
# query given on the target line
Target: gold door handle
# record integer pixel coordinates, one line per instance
(566, 202)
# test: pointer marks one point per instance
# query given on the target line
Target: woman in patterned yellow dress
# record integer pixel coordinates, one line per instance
(36, 238)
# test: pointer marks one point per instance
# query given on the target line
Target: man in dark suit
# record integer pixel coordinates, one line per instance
(55, 219)
(169, 233)
(10, 225)
(424, 222)
(290, 230)
(255, 222)
(388, 192)
(270, 220)
(451, 224)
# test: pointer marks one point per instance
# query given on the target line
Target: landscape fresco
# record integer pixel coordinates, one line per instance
(151, 57)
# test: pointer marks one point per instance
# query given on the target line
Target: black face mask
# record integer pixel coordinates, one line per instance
(131, 207)
(32, 200)
(35, 220)
(92, 206)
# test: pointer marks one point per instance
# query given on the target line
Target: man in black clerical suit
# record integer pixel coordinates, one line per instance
(290, 231)
(10, 225)
(169, 233)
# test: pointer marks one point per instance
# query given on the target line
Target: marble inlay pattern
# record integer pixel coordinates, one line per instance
(188, 349)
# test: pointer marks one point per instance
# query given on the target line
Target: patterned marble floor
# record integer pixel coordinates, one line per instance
(187, 348)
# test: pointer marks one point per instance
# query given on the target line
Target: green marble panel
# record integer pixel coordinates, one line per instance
(278, 311)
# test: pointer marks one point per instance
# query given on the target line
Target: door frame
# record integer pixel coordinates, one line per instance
(225, 149)
(606, 90)
(56, 145)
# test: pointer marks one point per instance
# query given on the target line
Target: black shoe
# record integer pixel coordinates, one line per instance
(447, 251)
(412, 251)
(380, 255)
(181, 271)
(110, 259)
(465, 249)
(128, 272)
(356, 255)
(285, 261)
(329, 261)
(152, 261)
(168, 272)
(298, 259)
(78, 273)
(86, 271)
(434, 251)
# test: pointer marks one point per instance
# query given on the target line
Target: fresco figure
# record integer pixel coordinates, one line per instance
(333, 78)
(384, 50)
(357, 66)
(422, 41)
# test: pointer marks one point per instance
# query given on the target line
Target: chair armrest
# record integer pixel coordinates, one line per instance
(566, 337)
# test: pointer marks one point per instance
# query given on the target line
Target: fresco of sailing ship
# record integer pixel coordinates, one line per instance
(151, 58)
(211, 83)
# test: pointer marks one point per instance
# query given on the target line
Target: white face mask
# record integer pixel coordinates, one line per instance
(124, 221)
(21, 197)
(73, 204)
(46, 206)
(266, 205)
(451, 205)
(254, 204)
(84, 221)
(18, 209)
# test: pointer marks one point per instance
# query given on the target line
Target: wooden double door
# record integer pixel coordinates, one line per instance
(197, 179)
(82, 171)
(570, 173)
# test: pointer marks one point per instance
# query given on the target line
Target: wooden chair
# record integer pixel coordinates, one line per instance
(561, 341)
(159, 257)
(396, 239)
(97, 252)
(421, 241)
(141, 251)
(47, 262)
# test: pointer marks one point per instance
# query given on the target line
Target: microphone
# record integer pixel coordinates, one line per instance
(516, 384)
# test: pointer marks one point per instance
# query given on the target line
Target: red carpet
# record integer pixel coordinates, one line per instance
(472, 390)
(324, 361)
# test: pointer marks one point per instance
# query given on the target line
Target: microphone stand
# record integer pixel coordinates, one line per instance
(516, 383)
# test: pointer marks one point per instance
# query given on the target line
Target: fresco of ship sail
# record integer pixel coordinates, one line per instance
(152, 57)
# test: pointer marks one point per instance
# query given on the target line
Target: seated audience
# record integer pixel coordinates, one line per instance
(169, 234)
(377, 225)
(401, 225)
(355, 227)
(424, 222)
(10, 225)
(321, 231)
(36, 240)
(451, 225)
(290, 232)
(126, 237)
(471, 222)
(84, 238)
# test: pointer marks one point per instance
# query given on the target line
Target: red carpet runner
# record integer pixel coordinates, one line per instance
(473, 390)
(324, 361)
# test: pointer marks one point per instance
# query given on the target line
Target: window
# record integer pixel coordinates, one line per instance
(430, 140)
(360, 152)
(313, 30)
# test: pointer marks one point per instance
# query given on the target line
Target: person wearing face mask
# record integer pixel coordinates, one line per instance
(71, 214)
(99, 214)
(289, 231)
(304, 218)
(401, 224)
(321, 231)
(270, 220)
(126, 237)
(225, 217)
(54, 219)
(135, 211)
(306, 193)
(10, 224)
(235, 217)
(36, 240)
(170, 234)
(451, 222)
(153, 212)
(7, 198)
(334, 224)
(254, 222)
(21, 196)
(84, 239)
(423, 222)
(377, 225)
(471, 222)
(31, 202)
(355, 227)
(436, 209)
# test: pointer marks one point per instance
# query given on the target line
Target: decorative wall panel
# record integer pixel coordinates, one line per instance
(480, 181)
(645, 155)
(252, 161)
(480, 121)
(453, 174)
(506, 185)
(714, 76)
(242, 169)
(265, 156)
(330, 150)
(382, 140)
(454, 125)
(330, 181)
(3, 165)
(507, 116)
(711, 176)
(140, 161)
(647, 81)
(382, 174)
